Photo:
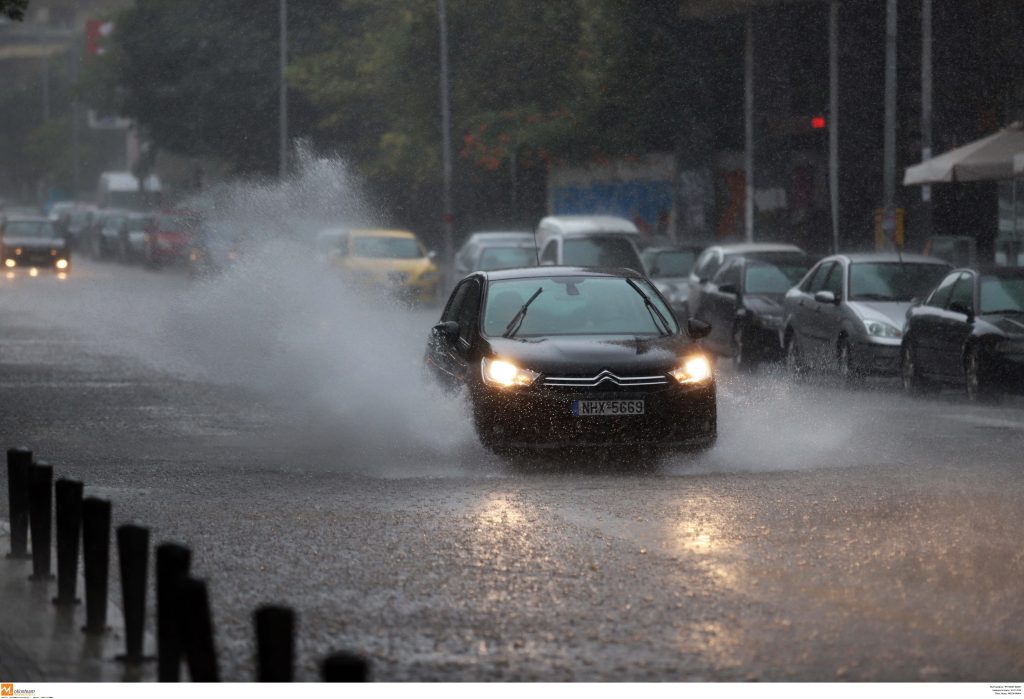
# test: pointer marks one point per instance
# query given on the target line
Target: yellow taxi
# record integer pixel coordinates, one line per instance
(392, 259)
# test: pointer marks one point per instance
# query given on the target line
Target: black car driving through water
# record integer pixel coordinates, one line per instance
(969, 331)
(565, 357)
(32, 242)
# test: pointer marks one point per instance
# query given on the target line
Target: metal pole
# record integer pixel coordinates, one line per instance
(748, 128)
(282, 97)
(926, 111)
(889, 166)
(446, 142)
(76, 176)
(46, 88)
(833, 120)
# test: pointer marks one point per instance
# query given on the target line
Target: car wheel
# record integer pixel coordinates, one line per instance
(741, 350)
(909, 376)
(794, 362)
(979, 388)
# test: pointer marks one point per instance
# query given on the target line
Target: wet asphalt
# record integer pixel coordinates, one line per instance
(276, 426)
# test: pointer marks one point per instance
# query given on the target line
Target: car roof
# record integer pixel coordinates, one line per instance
(559, 271)
(745, 248)
(381, 233)
(585, 224)
(34, 218)
(994, 271)
(889, 257)
(486, 236)
(682, 247)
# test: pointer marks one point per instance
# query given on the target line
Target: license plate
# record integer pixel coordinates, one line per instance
(590, 408)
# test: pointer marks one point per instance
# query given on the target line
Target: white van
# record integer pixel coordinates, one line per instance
(120, 190)
(589, 241)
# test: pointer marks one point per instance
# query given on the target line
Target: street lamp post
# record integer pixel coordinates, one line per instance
(446, 142)
(889, 143)
(282, 97)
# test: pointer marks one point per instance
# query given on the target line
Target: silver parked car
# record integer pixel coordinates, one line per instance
(847, 313)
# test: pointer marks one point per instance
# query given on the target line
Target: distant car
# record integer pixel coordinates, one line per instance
(215, 247)
(102, 239)
(33, 242)
(467, 259)
(668, 266)
(589, 241)
(131, 245)
(72, 219)
(392, 259)
(712, 258)
(969, 331)
(556, 357)
(847, 313)
(168, 237)
(743, 304)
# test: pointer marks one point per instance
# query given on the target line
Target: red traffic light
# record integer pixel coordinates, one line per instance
(817, 122)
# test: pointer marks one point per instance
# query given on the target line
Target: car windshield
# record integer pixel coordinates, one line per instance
(893, 281)
(29, 229)
(387, 247)
(574, 306)
(764, 278)
(670, 263)
(605, 251)
(1002, 294)
(506, 257)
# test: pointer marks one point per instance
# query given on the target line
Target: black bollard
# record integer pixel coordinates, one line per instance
(275, 643)
(19, 461)
(96, 554)
(133, 554)
(172, 564)
(40, 497)
(345, 667)
(69, 529)
(197, 631)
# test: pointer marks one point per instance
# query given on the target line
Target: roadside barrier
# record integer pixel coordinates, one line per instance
(275, 643)
(69, 526)
(133, 554)
(184, 623)
(96, 552)
(40, 504)
(19, 461)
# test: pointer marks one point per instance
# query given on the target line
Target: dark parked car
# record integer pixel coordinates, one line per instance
(31, 242)
(102, 240)
(574, 357)
(743, 304)
(468, 258)
(969, 331)
(668, 266)
(712, 259)
(847, 313)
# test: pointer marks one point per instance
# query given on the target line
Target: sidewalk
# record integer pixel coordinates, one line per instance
(41, 643)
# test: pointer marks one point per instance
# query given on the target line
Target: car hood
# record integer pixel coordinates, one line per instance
(1012, 325)
(33, 242)
(892, 312)
(588, 355)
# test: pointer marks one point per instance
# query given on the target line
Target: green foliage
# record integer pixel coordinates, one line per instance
(13, 9)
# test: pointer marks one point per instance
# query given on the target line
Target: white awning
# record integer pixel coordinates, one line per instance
(989, 158)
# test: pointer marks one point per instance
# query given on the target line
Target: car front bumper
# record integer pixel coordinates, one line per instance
(877, 356)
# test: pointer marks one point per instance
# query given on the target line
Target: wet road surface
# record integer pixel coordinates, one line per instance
(275, 423)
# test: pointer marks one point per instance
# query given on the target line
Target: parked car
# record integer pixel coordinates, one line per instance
(32, 242)
(395, 260)
(969, 331)
(668, 266)
(467, 259)
(131, 245)
(102, 239)
(72, 219)
(168, 237)
(712, 259)
(847, 313)
(574, 357)
(743, 304)
(589, 241)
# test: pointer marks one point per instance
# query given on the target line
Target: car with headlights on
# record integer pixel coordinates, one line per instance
(743, 305)
(573, 357)
(33, 242)
(846, 315)
(668, 266)
(969, 331)
(395, 260)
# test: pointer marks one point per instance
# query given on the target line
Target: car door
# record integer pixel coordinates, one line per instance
(718, 306)
(954, 326)
(468, 318)
(831, 314)
(812, 326)
(925, 323)
(443, 358)
(705, 268)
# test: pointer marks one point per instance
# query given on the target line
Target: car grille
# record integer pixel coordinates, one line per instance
(605, 377)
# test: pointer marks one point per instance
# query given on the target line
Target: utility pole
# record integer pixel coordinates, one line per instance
(282, 97)
(833, 120)
(446, 143)
(926, 110)
(748, 129)
(889, 146)
(76, 174)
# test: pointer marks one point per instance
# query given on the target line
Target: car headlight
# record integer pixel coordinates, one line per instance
(61, 264)
(878, 328)
(694, 369)
(498, 372)
(10, 263)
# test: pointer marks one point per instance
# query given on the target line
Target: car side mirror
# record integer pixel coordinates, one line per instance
(729, 289)
(697, 328)
(448, 330)
(960, 307)
(825, 297)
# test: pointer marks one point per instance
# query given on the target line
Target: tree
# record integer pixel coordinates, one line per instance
(13, 9)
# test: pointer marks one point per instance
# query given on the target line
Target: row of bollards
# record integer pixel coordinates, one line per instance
(184, 622)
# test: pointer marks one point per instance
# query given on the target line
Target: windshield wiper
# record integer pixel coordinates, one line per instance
(517, 320)
(663, 328)
(1003, 311)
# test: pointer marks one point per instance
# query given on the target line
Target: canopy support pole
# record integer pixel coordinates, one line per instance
(748, 129)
